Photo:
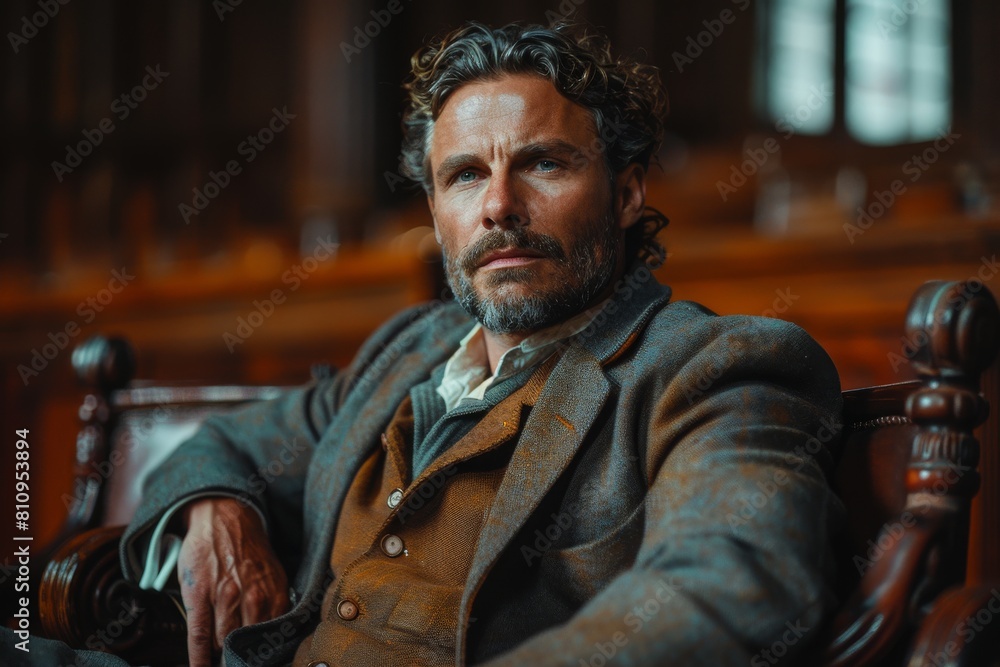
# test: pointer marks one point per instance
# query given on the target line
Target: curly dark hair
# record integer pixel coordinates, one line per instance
(626, 98)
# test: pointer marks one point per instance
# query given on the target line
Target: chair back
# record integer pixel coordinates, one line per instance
(128, 427)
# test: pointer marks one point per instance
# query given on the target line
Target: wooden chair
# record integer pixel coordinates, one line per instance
(907, 473)
(128, 427)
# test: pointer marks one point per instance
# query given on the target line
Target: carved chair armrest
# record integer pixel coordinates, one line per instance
(899, 597)
(962, 630)
(885, 603)
(85, 601)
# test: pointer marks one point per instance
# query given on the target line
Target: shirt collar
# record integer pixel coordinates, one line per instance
(466, 374)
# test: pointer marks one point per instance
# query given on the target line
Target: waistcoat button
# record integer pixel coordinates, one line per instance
(318, 663)
(394, 498)
(347, 610)
(392, 545)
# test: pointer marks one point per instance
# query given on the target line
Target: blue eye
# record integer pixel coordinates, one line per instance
(547, 165)
(466, 176)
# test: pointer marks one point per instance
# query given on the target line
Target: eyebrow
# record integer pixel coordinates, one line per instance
(557, 147)
(452, 163)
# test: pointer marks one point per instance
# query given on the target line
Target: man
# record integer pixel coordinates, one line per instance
(563, 468)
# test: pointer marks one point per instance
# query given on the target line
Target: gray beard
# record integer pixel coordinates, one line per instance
(585, 277)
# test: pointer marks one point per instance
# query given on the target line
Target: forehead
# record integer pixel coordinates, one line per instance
(508, 112)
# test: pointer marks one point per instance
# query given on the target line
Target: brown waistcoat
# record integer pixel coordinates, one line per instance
(402, 551)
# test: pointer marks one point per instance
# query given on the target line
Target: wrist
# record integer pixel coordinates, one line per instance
(205, 508)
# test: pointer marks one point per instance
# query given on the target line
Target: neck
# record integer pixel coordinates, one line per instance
(498, 343)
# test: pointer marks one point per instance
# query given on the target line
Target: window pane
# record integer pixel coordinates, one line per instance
(799, 58)
(898, 86)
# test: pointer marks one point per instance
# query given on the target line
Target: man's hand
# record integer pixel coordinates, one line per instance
(228, 573)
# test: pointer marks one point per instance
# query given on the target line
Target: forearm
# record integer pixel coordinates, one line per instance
(710, 595)
(153, 554)
(735, 554)
(643, 618)
(257, 454)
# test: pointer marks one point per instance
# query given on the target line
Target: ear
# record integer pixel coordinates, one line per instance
(430, 206)
(630, 195)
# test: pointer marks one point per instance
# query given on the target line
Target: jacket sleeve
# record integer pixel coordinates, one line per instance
(735, 554)
(259, 453)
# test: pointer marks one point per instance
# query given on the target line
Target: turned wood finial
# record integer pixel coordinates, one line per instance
(955, 331)
(952, 336)
(104, 363)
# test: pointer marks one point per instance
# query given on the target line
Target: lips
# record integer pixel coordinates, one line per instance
(508, 257)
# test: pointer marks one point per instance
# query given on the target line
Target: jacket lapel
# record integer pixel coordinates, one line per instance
(551, 438)
(502, 425)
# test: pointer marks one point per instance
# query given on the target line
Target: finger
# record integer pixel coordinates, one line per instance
(265, 599)
(200, 641)
(281, 603)
(277, 602)
(254, 605)
(227, 611)
(199, 621)
(263, 585)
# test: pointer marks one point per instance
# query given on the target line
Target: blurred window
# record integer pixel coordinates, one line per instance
(896, 63)
(898, 74)
(799, 59)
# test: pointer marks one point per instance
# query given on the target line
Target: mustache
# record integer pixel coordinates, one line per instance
(510, 238)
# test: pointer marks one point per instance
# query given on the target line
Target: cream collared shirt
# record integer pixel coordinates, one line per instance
(467, 372)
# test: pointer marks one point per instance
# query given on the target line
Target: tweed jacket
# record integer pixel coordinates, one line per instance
(666, 501)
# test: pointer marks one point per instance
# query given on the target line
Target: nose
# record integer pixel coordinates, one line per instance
(503, 204)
